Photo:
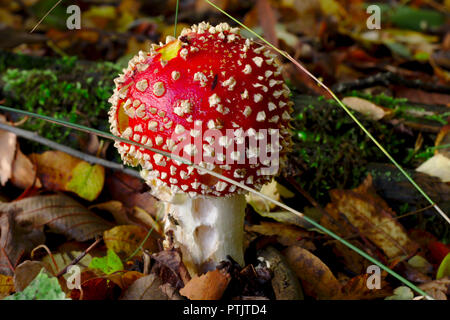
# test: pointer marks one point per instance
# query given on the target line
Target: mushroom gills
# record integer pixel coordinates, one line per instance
(207, 229)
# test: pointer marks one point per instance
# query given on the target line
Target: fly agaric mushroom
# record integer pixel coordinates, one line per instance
(213, 98)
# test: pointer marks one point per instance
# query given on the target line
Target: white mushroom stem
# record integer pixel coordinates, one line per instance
(206, 229)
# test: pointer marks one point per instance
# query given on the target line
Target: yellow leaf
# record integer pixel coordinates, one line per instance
(59, 171)
(6, 285)
(125, 239)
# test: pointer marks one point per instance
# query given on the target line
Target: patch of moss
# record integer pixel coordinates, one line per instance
(331, 151)
(68, 89)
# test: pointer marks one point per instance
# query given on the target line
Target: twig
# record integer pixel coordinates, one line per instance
(77, 259)
(81, 155)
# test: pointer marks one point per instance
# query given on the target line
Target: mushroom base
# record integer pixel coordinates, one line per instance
(206, 229)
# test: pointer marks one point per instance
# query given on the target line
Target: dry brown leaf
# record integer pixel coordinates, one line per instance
(367, 108)
(286, 234)
(60, 213)
(131, 192)
(24, 172)
(126, 216)
(317, 278)
(209, 286)
(145, 288)
(438, 289)
(125, 279)
(371, 215)
(8, 144)
(27, 271)
(356, 289)
(16, 238)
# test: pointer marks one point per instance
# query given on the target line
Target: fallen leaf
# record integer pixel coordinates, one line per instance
(17, 239)
(107, 264)
(273, 190)
(8, 143)
(6, 285)
(209, 286)
(284, 282)
(371, 215)
(125, 239)
(317, 278)
(438, 289)
(60, 213)
(401, 293)
(27, 271)
(145, 288)
(24, 172)
(126, 216)
(131, 192)
(59, 171)
(42, 287)
(367, 108)
(437, 166)
(125, 279)
(421, 264)
(356, 288)
(287, 235)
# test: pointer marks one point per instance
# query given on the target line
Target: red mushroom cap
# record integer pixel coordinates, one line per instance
(210, 96)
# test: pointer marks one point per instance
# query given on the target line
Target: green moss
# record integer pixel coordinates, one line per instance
(331, 151)
(68, 89)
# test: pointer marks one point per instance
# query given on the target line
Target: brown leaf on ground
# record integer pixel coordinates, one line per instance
(125, 279)
(59, 171)
(287, 235)
(8, 144)
(59, 212)
(438, 289)
(357, 289)
(317, 278)
(17, 238)
(131, 191)
(145, 288)
(209, 286)
(27, 271)
(24, 172)
(126, 216)
(373, 218)
(284, 282)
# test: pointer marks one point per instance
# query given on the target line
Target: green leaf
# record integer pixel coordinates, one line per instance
(108, 264)
(42, 287)
(444, 268)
